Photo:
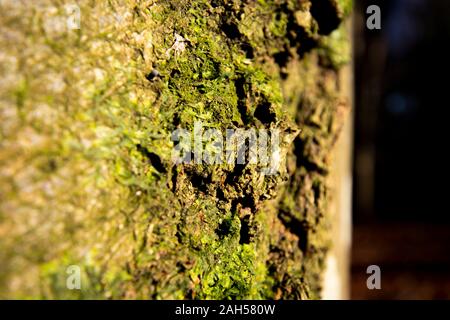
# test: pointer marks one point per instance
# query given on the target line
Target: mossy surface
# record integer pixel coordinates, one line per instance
(86, 175)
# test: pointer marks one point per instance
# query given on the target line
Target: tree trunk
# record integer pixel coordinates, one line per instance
(87, 176)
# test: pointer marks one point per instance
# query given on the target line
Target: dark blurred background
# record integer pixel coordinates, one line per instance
(401, 164)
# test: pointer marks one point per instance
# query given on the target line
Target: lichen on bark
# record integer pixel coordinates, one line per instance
(86, 171)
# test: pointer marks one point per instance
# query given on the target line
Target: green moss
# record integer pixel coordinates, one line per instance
(345, 7)
(335, 49)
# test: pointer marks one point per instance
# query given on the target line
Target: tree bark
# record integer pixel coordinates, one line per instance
(86, 172)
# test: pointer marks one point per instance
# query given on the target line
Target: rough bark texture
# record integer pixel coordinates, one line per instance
(86, 174)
